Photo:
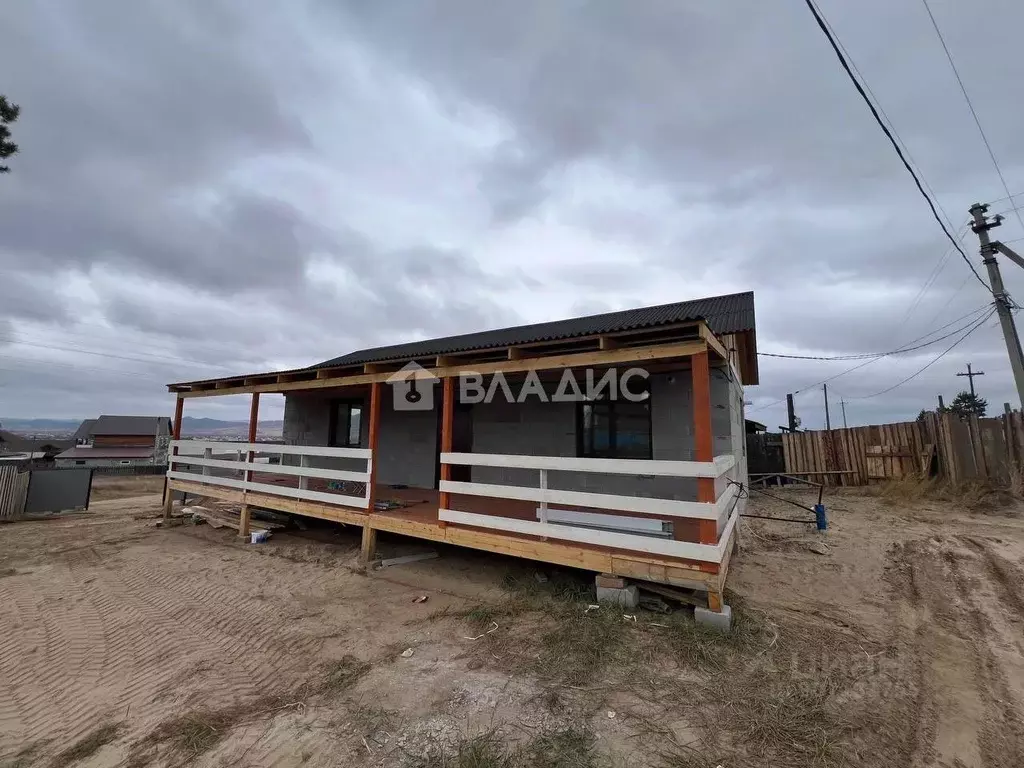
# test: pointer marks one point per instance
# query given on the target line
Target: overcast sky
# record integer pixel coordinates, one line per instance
(214, 187)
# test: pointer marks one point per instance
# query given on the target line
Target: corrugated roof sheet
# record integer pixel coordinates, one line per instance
(723, 314)
(84, 429)
(131, 425)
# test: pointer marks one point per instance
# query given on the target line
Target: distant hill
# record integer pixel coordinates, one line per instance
(190, 426)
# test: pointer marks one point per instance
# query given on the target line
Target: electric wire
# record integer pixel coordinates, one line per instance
(936, 359)
(819, 18)
(900, 350)
(970, 106)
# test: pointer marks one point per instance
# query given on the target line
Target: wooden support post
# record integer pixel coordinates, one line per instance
(714, 601)
(369, 544)
(703, 440)
(447, 425)
(254, 415)
(303, 480)
(372, 439)
(179, 407)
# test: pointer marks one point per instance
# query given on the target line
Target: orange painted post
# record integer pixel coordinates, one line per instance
(179, 408)
(704, 449)
(368, 546)
(254, 415)
(374, 432)
(447, 427)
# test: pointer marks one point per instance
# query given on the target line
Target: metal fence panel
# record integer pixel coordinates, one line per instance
(52, 490)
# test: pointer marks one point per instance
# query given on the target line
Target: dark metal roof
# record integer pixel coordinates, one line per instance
(82, 452)
(85, 429)
(131, 425)
(723, 314)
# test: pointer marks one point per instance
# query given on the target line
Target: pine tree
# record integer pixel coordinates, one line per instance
(967, 404)
(8, 114)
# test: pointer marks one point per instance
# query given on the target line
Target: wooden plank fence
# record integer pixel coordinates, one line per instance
(13, 491)
(954, 449)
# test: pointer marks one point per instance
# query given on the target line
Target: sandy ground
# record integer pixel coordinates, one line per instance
(126, 645)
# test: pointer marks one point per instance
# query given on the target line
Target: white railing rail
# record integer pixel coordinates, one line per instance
(209, 454)
(724, 510)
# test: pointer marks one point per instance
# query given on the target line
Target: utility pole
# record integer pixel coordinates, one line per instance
(791, 413)
(989, 249)
(942, 405)
(843, 404)
(970, 375)
(828, 422)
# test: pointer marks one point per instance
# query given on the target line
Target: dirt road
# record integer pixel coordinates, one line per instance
(124, 644)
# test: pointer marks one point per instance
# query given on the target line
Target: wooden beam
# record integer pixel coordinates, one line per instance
(703, 439)
(515, 353)
(713, 342)
(372, 440)
(607, 342)
(179, 408)
(368, 545)
(254, 420)
(551, 362)
(243, 522)
(445, 361)
(447, 438)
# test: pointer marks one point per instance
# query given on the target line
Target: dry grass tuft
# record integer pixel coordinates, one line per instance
(562, 748)
(87, 746)
(973, 496)
(25, 757)
(345, 673)
(188, 735)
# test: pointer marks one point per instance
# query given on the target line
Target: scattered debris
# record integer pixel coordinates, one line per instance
(678, 594)
(408, 559)
(611, 714)
(655, 604)
(819, 547)
(494, 626)
(226, 517)
(407, 653)
(421, 599)
(592, 607)
(629, 617)
(541, 577)
(258, 537)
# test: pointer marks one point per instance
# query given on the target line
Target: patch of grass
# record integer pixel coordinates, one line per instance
(581, 644)
(345, 673)
(565, 748)
(568, 748)
(481, 751)
(87, 746)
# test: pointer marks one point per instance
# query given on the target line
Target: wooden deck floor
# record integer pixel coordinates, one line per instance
(418, 517)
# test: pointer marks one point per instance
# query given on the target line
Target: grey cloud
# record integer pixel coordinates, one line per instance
(196, 145)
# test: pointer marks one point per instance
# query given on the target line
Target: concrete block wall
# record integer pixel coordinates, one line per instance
(549, 429)
(406, 449)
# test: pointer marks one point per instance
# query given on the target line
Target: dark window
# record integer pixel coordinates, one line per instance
(614, 429)
(346, 424)
(80, 462)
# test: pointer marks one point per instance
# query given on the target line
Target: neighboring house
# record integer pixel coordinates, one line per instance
(479, 440)
(37, 449)
(119, 441)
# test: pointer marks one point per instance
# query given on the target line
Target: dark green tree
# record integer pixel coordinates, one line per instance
(8, 114)
(966, 404)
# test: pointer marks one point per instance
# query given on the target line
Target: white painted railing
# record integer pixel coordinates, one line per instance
(208, 455)
(595, 528)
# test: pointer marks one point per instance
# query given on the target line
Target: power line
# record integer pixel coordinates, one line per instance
(153, 359)
(936, 359)
(898, 351)
(867, 362)
(970, 105)
(892, 140)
